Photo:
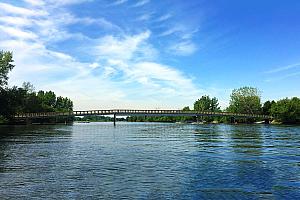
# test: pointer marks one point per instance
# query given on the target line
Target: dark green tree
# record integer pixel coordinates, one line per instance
(214, 105)
(287, 110)
(266, 109)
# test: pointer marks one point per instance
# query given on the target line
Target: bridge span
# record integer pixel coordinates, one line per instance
(127, 112)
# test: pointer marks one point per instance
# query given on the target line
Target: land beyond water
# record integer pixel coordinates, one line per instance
(246, 99)
(178, 120)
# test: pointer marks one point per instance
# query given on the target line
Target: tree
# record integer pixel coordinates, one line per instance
(245, 100)
(287, 110)
(266, 109)
(214, 105)
(11, 101)
(202, 104)
(5, 66)
(185, 118)
(50, 98)
(28, 87)
(24, 99)
(205, 103)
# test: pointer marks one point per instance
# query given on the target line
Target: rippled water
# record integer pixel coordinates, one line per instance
(150, 161)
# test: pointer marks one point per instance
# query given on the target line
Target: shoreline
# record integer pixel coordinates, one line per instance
(182, 123)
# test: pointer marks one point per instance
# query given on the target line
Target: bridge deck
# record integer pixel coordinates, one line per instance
(125, 112)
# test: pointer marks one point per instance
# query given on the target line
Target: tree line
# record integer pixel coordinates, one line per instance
(242, 100)
(25, 99)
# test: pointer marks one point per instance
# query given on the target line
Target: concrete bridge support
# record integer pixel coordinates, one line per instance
(267, 121)
(232, 120)
(114, 119)
(28, 121)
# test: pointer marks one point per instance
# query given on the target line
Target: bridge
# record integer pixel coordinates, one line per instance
(127, 112)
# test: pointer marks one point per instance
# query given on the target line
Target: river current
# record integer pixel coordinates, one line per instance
(149, 161)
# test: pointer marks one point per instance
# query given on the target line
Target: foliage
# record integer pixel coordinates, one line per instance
(266, 109)
(5, 66)
(242, 100)
(245, 100)
(287, 110)
(24, 99)
(205, 103)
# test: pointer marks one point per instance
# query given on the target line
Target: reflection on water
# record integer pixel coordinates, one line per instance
(150, 161)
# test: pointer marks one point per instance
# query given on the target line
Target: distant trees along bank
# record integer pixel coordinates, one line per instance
(242, 100)
(24, 99)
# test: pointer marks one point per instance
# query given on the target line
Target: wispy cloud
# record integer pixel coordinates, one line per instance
(130, 56)
(174, 29)
(17, 33)
(141, 3)
(145, 17)
(15, 10)
(284, 68)
(119, 2)
(183, 48)
(122, 67)
(282, 77)
(35, 2)
(124, 48)
(164, 17)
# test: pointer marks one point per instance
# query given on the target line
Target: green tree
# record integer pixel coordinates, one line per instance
(11, 101)
(203, 104)
(266, 109)
(28, 87)
(214, 105)
(245, 100)
(287, 110)
(185, 118)
(50, 99)
(5, 66)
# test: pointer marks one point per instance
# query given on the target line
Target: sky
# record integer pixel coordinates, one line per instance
(153, 54)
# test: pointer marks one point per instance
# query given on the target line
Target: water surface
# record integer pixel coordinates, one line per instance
(150, 161)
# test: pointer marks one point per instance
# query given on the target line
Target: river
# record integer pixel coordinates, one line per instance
(149, 161)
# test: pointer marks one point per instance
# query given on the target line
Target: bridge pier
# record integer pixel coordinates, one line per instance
(114, 119)
(232, 120)
(28, 121)
(267, 121)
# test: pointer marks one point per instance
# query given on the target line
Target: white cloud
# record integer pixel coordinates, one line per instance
(110, 47)
(183, 48)
(17, 33)
(119, 2)
(145, 17)
(141, 3)
(164, 17)
(14, 10)
(175, 29)
(35, 2)
(284, 68)
(282, 77)
(15, 21)
(154, 79)
(122, 71)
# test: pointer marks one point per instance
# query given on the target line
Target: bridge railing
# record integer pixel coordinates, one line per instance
(131, 111)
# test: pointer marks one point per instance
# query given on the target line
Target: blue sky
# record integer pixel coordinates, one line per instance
(153, 53)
